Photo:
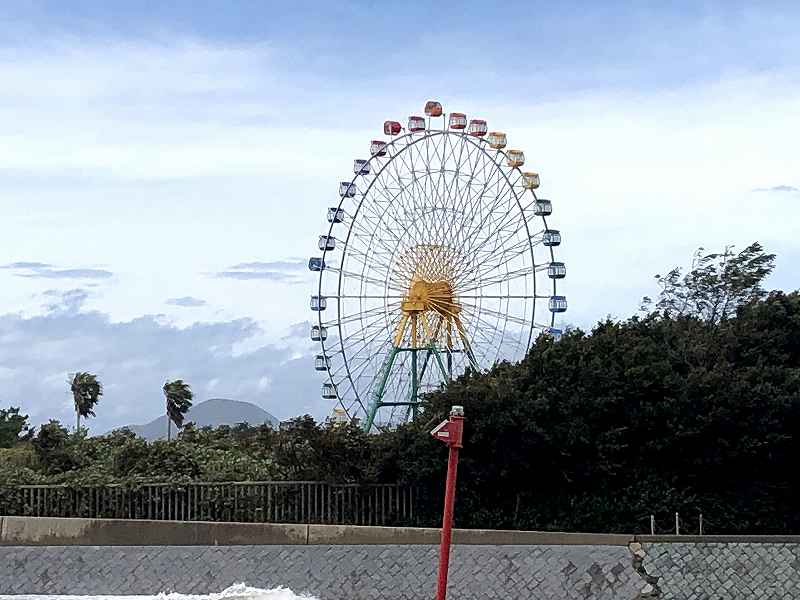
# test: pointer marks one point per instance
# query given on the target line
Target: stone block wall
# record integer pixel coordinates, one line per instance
(329, 572)
(724, 570)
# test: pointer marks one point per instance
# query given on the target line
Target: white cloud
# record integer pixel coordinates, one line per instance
(134, 358)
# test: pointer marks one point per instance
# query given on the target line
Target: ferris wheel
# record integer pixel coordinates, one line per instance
(437, 258)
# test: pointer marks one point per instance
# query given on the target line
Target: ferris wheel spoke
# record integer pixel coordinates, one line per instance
(476, 334)
(475, 310)
(374, 348)
(498, 327)
(361, 277)
(455, 195)
(486, 264)
(496, 176)
(508, 196)
(481, 309)
(349, 318)
(492, 237)
(461, 187)
(498, 279)
(356, 348)
(406, 187)
(369, 259)
(502, 297)
(469, 203)
(368, 235)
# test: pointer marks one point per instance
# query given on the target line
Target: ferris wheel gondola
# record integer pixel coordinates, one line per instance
(437, 258)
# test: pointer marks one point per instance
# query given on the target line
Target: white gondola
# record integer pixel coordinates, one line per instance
(322, 362)
(554, 332)
(556, 270)
(543, 208)
(347, 189)
(315, 263)
(326, 242)
(557, 304)
(361, 166)
(335, 215)
(328, 391)
(319, 303)
(551, 237)
(377, 148)
(458, 121)
(319, 334)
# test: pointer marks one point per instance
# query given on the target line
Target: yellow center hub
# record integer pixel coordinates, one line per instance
(431, 312)
(436, 296)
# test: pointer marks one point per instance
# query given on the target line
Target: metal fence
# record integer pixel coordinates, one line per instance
(256, 501)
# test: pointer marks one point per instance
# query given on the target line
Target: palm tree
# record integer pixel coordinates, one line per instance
(86, 391)
(179, 401)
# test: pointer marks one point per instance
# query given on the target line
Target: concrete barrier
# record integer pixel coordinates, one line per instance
(49, 531)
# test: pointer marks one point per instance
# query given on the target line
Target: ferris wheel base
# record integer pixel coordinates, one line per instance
(417, 373)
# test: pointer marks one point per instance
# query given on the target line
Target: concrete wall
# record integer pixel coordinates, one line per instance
(48, 531)
(74, 556)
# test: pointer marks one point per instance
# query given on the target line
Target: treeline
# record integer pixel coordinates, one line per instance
(691, 407)
(301, 450)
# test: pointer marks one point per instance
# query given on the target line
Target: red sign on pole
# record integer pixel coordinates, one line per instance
(450, 432)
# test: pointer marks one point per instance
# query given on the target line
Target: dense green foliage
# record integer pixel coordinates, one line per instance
(12, 426)
(301, 450)
(650, 416)
(692, 408)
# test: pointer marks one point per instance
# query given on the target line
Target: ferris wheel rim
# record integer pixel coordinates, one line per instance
(506, 171)
(497, 164)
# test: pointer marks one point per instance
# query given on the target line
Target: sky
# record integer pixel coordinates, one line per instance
(165, 167)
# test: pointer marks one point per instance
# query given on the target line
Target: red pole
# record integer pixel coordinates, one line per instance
(450, 432)
(447, 523)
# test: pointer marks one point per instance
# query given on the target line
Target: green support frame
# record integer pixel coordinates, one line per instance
(376, 401)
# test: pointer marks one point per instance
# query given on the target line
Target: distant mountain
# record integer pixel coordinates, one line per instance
(214, 412)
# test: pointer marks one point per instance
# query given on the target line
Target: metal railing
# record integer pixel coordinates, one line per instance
(248, 501)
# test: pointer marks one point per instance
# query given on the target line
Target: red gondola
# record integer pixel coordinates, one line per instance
(433, 108)
(458, 121)
(477, 127)
(391, 127)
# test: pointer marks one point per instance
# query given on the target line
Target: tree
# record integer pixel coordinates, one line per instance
(716, 285)
(12, 424)
(54, 449)
(86, 391)
(179, 400)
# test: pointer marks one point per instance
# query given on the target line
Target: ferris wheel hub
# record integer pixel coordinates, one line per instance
(432, 296)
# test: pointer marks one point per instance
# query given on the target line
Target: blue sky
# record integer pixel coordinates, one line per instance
(147, 149)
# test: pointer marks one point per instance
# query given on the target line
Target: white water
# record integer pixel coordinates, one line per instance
(239, 591)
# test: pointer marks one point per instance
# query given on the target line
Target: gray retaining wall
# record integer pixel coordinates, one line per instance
(58, 556)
